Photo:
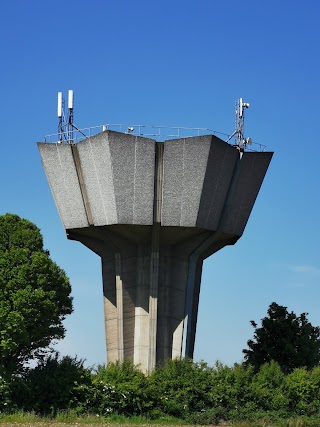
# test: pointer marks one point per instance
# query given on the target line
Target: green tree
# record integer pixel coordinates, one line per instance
(34, 295)
(285, 338)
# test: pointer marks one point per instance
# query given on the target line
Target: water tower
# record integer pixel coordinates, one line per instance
(153, 211)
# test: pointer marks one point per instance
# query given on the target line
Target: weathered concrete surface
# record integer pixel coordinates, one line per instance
(153, 212)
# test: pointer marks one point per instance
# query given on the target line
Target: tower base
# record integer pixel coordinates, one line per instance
(151, 285)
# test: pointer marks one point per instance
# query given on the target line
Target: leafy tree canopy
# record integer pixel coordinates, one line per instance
(285, 338)
(34, 295)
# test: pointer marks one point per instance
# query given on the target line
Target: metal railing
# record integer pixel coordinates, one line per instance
(159, 133)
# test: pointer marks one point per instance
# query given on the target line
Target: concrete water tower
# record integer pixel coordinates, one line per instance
(153, 211)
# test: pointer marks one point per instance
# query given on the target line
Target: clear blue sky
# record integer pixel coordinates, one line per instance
(175, 63)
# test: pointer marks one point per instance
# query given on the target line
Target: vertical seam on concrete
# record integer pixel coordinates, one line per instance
(154, 262)
(134, 179)
(112, 174)
(119, 291)
(183, 156)
(97, 177)
(76, 159)
(159, 173)
(166, 300)
(138, 309)
(153, 298)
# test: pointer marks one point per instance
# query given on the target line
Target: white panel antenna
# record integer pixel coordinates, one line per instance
(60, 105)
(66, 126)
(67, 129)
(70, 99)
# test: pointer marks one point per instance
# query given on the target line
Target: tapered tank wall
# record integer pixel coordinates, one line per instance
(153, 212)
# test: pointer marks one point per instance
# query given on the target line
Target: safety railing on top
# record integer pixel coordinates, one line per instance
(159, 133)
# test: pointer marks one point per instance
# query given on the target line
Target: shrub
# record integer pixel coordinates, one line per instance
(55, 384)
(5, 392)
(118, 388)
(232, 387)
(302, 388)
(268, 388)
(181, 387)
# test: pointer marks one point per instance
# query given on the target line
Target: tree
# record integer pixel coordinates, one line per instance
(34, 295)
(285, 338)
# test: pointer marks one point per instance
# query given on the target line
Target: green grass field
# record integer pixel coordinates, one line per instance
(82, 423)
(71, 424)
(67, 420)
(96, 424)
(71, 419)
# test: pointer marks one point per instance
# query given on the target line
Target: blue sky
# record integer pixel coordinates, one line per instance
(175, 63)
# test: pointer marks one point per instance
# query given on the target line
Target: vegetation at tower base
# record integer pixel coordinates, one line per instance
(34, 298)
(286, 338)
(193, 392)
(56, 384)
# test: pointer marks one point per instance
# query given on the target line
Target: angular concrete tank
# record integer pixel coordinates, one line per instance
(153, 211)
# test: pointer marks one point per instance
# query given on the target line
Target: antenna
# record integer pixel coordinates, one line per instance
(60, 114)
(240, 106)
(70, 117)
(70, 99)
(241, 140)
(60, 105)
(66, 126)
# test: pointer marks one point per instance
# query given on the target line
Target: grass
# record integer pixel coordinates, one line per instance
(70, 419)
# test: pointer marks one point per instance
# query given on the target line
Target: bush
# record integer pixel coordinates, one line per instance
(181, 387)
(118, 388)
(5, 400)
(268, 388)
(302, 389)
(232, 387)
(55, 384)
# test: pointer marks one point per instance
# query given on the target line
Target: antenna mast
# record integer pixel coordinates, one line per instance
(240, 106)
(60, 116)
(70, 117)
(65, 126)
(241, 140)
